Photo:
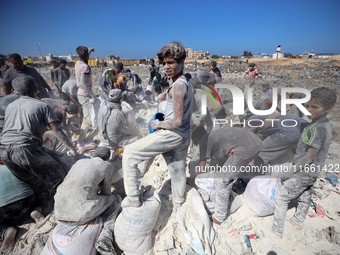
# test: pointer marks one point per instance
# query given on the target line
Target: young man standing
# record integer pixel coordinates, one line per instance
(84, 83)
(54, 65)
(18, 70)
(153, 70)
(62, 74)
(171, 137)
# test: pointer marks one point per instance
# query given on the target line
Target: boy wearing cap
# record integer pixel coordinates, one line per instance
(172, 136)
(112, 123)
(90, 182)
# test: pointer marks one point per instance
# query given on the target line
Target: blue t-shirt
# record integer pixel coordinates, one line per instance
(11, 188)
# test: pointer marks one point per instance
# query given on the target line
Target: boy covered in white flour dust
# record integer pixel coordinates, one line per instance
(308, 162)
(171, 137)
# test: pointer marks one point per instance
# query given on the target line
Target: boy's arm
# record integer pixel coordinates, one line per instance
(48, 135)
(6, 90)
(177, 93)
(307, 159)
(74, 99)
(257, 74)
(106, 185)
(6, 85)
(45, 84)
(203, 154)
(63, 138)
(203, 162)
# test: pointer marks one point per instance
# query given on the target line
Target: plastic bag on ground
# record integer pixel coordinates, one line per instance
(320, 212)
(260, 195)
(134, 225)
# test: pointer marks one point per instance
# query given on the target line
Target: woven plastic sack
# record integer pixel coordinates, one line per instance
(134, 225)
(260, 195)
(70, 240)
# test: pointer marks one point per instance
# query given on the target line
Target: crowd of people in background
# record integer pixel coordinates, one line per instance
(41, 161)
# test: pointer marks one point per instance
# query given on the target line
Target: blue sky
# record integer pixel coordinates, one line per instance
(135, 29)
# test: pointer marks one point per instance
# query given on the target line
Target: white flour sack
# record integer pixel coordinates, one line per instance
(134, 225)
(260, 195)
(71, 240)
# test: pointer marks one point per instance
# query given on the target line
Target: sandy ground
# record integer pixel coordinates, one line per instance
(311, 239)
(270, 61)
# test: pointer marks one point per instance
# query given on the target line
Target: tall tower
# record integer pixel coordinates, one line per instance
(278, 51)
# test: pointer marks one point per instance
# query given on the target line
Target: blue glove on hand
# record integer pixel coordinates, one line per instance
(158, 116)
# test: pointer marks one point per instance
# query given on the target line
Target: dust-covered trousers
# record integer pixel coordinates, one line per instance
(87, 109)
(225, 180)
(174, 149)
(298, 186)
(34, 165)
(272, 150)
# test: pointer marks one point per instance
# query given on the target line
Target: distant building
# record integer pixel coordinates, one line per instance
(307, 54)
(201, 54)
(323, 55)
(50, 57)
(197, 54)
(265, 55)
(278, 53)
(188, 51)
(68, 58)
(112, 57)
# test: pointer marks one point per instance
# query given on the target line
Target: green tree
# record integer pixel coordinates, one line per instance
(215, 56)
(287, 55)
(247, 54)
